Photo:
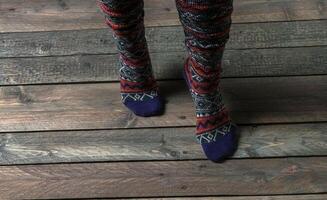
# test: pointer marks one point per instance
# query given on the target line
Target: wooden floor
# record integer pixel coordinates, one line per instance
(65, 135)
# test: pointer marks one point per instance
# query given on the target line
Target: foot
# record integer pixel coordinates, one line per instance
(139, 91)
(143, 104)
(215, 131)
(219, 143)
(141, 94)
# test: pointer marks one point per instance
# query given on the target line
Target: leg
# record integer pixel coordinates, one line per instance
(206, 26)
(139, 90)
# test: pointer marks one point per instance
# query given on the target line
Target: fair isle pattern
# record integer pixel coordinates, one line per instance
(206, 105)
(212, 136)
(206, 26)
(126, 20)
(142, 96)
(129, 73)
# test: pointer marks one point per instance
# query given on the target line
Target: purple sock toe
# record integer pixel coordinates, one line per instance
(146, 108)
(223, 146)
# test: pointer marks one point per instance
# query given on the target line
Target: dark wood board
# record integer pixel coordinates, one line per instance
(166, 65)
(256, 141)
(98, 106)
(44, 15)
(158, 179)
(162, 39)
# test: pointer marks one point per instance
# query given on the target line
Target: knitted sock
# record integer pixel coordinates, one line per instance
(139, 90)
(206, 26)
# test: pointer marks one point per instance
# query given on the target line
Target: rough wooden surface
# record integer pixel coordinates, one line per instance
(98, 106)
(174, 178)
(166, 65)
(32, 15)
(162, 39)
(277, 197)
(46, 128)
(157, 144)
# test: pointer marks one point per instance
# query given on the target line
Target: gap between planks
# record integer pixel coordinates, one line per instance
(275, 197)
(98, 106)
(173, 178)
(84, 14)
(298, 61)
(257, 141)
(162, 39)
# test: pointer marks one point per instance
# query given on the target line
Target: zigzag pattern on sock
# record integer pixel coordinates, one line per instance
(213, 135)
(206, 26)
(142, 96)
(138, 87)
(212, 116)
(126, 19)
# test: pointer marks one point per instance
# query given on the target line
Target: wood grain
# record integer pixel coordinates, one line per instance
(43, 15)
(166, 65)
(47, 128)
(156, 144)
(162, 39)
(152, 179)
(98, 106)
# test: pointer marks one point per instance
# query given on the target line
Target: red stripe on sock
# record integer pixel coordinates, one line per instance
(205, 124)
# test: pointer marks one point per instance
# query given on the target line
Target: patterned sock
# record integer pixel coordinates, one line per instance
(206, 26)
(139, 90)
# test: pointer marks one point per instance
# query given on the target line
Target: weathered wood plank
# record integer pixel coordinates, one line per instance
(161, 144)
(162, 39)
(279, 197)
(166, 65)
(43, 15)
(151, 179)
(89, 106)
